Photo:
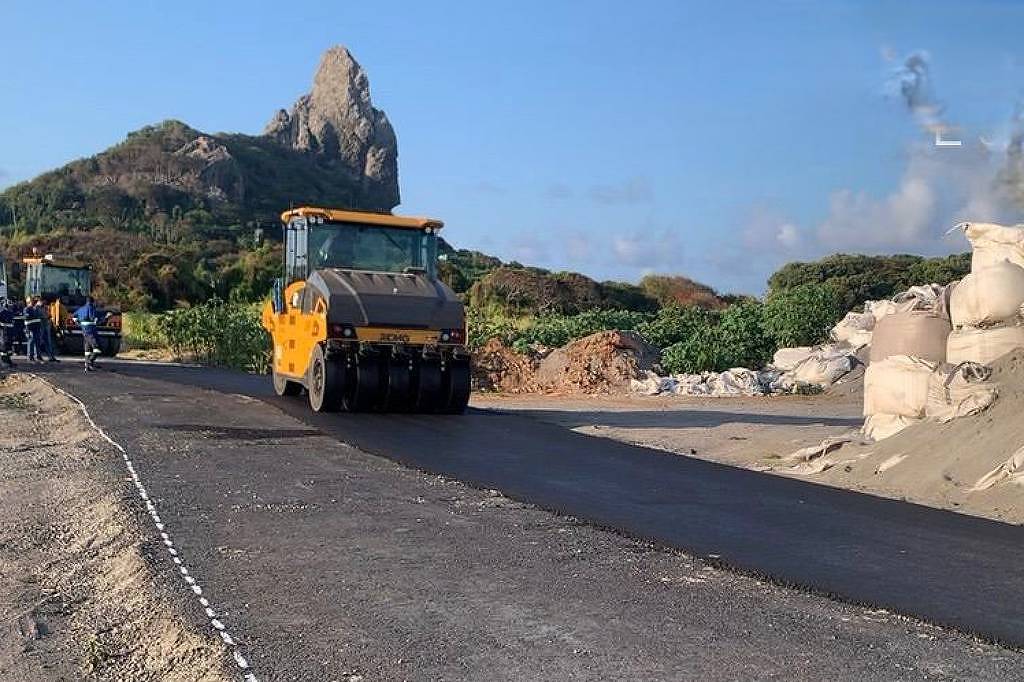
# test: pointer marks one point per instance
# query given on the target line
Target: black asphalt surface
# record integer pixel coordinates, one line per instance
(252, 490)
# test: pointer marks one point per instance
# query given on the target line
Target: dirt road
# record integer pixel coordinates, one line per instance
(331, 563)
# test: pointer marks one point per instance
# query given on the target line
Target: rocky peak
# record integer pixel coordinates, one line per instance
(337, 123)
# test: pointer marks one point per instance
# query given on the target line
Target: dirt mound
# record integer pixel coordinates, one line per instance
(604, 362)
(966, 464)
(496, 367)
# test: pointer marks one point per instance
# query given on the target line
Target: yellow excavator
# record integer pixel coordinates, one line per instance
(361, 321)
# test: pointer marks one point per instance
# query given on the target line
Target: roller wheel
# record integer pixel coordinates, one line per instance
(365, 391)
(428, 392)
(324, 382)
(398, 381)
(457, 383)
(283, 386)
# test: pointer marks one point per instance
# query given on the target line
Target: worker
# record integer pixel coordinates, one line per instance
(47, 344)
(32, 331)
(87, 317)
(6, 332)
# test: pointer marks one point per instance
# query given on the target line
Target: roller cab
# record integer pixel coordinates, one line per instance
(360, 320)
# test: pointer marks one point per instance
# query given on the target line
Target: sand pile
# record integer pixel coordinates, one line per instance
(973, 464)
(496, 367)
(604, 362)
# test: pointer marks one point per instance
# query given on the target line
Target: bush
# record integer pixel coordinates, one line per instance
(221, 334)
(737, 340)
(802, 315)
(860, 278)
(555, 331)
(141, 331)
(676, 323)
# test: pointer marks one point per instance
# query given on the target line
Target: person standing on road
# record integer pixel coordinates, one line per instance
(32, 327)
(46, 331)
(6, 333)
(87, 319)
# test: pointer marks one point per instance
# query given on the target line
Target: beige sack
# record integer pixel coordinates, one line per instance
(854, 329)
(983, 345)
(786, 359)
(992, 243)
(987, 296)
(823, 368)
(959, 391)
(881, 426)
(915, 333)
(897, 385)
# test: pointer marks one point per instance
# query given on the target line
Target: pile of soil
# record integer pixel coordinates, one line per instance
(496, 367)
(604, 362)
(942, 465)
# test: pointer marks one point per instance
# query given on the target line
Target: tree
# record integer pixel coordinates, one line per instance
(802, 315)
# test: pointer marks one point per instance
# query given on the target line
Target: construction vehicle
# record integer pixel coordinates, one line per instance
(361, 321)
(64, 284)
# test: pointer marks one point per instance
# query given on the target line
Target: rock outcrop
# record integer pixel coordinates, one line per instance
(337, 123)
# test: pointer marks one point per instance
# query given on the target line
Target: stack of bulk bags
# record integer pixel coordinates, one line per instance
(985, 307)
(906, 348)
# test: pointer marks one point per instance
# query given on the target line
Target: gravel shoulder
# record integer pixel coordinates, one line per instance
(83, 594)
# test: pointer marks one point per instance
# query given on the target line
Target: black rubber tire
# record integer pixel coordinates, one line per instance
(365, 391)
(428, 388)
(457, 382)
(398, 384)
(324, 382)
(284, 386)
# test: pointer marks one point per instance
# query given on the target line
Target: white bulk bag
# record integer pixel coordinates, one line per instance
(916, 333)
(786, 359)
(959, 391)
(983, 345)
(854, 329)
(990, 295)
(992, 243)
(897, 385)
(823, 369)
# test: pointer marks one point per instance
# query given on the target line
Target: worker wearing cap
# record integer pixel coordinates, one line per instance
(6, 333)
(87, 317)
(33, 325)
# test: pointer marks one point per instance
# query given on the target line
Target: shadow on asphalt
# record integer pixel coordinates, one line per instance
(682, 418)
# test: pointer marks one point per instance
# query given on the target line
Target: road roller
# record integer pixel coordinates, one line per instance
(360, 321)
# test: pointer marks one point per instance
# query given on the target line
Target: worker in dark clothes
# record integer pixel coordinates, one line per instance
(7, 314)
(33, 327)
(46, 341)
(88, 317)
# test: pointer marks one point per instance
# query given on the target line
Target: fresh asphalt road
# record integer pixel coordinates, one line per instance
(339, 563)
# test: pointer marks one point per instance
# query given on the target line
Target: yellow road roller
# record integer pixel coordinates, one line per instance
(360, 320)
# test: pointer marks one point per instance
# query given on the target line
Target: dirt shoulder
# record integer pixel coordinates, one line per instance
(744, 432)
(79, 592)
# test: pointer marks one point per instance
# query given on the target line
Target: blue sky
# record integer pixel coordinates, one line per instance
(716, 140)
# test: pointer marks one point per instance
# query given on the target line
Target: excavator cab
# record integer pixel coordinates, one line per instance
(360, 320)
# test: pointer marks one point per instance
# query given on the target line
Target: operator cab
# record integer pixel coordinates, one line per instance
(52, 280)
(318, 239)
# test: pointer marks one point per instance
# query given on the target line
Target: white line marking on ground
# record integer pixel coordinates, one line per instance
(216, 624)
